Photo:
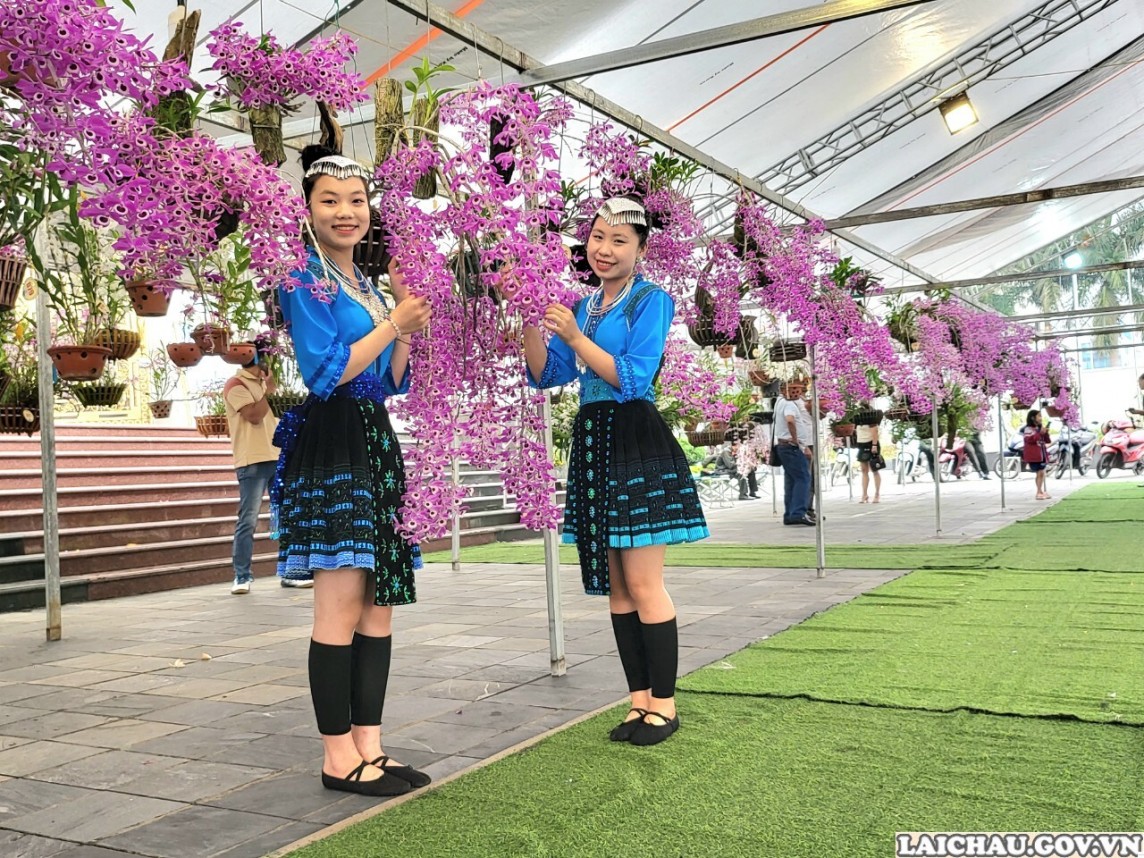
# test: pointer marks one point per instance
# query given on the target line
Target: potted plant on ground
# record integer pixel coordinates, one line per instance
(162, 380)
(291, 390)
(211, 419)
(19, 389)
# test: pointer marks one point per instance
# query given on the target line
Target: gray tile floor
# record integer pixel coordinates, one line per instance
(178, 724)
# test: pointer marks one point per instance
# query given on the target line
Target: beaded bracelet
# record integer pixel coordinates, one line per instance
(396, 328)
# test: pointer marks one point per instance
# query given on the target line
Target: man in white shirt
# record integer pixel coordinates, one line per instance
(791, 439)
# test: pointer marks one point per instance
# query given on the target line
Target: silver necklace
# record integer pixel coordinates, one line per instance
(596, 299)
(361, 294)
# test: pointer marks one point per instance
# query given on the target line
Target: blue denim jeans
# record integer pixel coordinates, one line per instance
(252, 483)
(796, 481)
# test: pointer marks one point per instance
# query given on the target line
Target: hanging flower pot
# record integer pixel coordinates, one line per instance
(121, 343)
(280, 403)
(706, 438)
(842, 430)
(725, 351)
(371, 254)
(12, 267)
(266, 134)
(787, 351)
(763, 418)
(212, 424)
(19, 420)
(898, 412)
(1053, 411)
(703, 333)
(160, 409)
(870, 417)
(212, 339)
(99, 395)
(184, 354)
(758, 377)
(148, 301)
(240, 354)
(425, 117)
(79, 363)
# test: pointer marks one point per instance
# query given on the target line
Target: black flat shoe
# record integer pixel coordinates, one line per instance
(653, 734)
(386, 785)
(623, 731)
(412, 776)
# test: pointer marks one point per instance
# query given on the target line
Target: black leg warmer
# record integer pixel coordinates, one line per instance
(633, 655)
(330, 687)
(662, 643)
(371, 657)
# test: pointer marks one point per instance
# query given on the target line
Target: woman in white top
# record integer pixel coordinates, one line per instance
(868, 446)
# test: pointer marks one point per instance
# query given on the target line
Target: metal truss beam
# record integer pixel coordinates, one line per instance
(1016, 278)
(706, 40)
(1081, 313)
(494, 46)
(1090, 332)
(1008, 45)
(1102, 348)
(998, 201)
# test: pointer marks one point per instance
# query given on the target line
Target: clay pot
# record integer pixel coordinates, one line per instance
(79, 363)
(122, 343)
(212, 424)
(160, 409)
(12, 269)
(240, 354)
(148, 301)
(212, 339)
(843, 430)
(758, 377)
(725, 351)
(184, 354)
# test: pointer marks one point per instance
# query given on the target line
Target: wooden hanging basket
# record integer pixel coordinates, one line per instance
(5, 380)
(122, 344)
(160, 409)
(782, 352)
(898, 412)
(99, 395)
(706, 438)
(843, 430)
(280, 403)
(703, 333)
(212, 424)
(148, 301)
(79, 363)
(12, 268)
(763, 418)
(19, 420)
(871, 417)
(371, 254)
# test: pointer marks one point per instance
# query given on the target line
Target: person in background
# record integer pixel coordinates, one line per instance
(252, 428)
(869, 445)
(1035, 453)
(975, 452)
(809, 432)
(726, 462)
(790, 447)
(1140, 397)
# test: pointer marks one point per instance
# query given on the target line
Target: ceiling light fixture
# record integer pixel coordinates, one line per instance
(958, 113)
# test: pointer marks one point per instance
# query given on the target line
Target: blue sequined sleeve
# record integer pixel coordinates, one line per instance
(322, 357)
(636, 366)
(559, 368)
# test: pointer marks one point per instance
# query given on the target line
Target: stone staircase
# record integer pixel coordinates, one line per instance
(145, 508)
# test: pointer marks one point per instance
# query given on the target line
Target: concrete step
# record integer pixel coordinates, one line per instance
(24, 444)
(21, 521)
(128, 535)
(28, 460)
(69, 496)
(116, 476)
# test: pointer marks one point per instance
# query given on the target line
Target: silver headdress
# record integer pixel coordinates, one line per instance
(620, 210)
(339, 167)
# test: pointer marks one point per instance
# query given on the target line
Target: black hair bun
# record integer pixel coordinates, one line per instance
(654, 219)
(315, 152)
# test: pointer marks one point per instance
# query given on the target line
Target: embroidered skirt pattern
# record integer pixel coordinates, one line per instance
(629, 485)
(337, 491)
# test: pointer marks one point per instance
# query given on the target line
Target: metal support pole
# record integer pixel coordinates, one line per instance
(54, 624)
(1001, 452)
(557, 663)
(456, 540)
(936, 470)
(816, 471)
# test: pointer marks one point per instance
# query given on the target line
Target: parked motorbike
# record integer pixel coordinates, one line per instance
(1121, 447)
(1082, 443)
(952, 460)
(1011, 462)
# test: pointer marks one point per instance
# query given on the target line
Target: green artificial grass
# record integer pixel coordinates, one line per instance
(749, 777)
(1029, 643)
(757, 556)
